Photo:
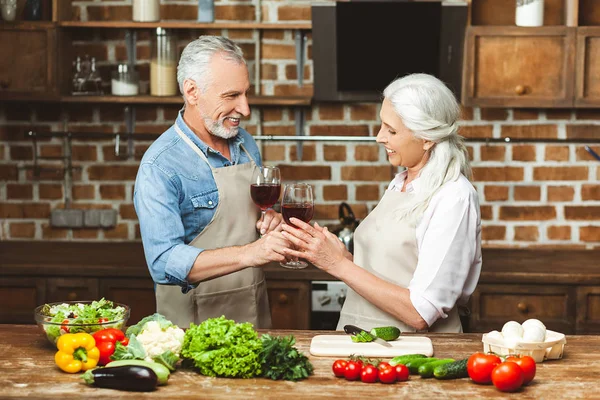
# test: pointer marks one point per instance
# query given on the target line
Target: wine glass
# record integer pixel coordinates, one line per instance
(265, 187)
(297, 202)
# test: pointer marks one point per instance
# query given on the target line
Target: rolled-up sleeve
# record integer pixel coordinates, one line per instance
(156, 201)
(449, 258)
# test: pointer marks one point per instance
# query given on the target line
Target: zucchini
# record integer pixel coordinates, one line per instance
(162, 372)
(405, 358)
(455, 370)
(426, 370)
(128, 377)
(413, 365)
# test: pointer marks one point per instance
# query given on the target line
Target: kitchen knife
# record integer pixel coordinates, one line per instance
(353, 330)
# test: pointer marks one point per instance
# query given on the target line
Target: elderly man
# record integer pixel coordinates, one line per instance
(192, 197)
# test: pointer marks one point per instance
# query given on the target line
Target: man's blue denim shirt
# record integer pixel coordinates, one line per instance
(175, 197)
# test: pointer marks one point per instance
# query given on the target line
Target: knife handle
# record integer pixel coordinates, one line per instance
(352, 330)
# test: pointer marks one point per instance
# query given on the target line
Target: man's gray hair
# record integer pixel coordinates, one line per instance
(196, 57)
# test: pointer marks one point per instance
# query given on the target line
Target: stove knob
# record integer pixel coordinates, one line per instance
(324, 300)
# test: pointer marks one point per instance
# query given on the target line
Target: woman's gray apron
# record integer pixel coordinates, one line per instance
(387, 247)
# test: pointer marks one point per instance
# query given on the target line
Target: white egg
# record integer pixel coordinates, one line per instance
(534, 333)
(495, 335)
(512, 330)
(533, 322)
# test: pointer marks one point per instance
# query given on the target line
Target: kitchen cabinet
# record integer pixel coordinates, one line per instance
(71, 289)
(290, 304)
(19, 297)
(32, 47)
(588, 317)
(494, 305)
(519, 67)
(587, 86)
(138, 294)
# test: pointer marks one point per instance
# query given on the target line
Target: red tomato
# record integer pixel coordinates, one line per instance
(402, 372)
(339, 367)
(383, 364)
(527, 364)
(387, 374)
(480, 366)
(369, 374)
(508, 377)
(352, 371)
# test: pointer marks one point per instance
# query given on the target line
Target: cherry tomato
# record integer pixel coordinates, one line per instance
(339, 367)
(387, 374)
(102, 320)
(369, 374)
(508, 377)
(383, 364)
(352, 371)
(480, 366)
(527, 364)
(65, 328)
(402, 372)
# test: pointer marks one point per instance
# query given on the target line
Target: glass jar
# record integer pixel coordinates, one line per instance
(125, 81)
(146, 10)
(163, 63)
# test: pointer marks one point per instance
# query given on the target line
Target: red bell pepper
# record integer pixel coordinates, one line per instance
(106, 340)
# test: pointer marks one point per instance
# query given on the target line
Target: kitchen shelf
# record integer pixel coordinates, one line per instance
(183, 25)
(27, 24)
(291, 101)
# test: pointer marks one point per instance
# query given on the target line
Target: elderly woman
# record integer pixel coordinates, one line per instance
(417, 255)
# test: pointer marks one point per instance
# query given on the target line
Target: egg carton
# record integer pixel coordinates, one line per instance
(550, 349)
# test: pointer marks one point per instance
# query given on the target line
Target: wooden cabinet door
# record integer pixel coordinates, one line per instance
(28, 61)
(19, 298)
(588, 310)
(494, 305)
(519, 67)
(138, 294)
(587, 83)
(72, 289)
(290, 304)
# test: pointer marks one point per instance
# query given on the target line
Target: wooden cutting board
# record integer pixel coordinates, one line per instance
(343, 346)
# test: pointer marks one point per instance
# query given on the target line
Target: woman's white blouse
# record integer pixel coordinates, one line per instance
(449, 246)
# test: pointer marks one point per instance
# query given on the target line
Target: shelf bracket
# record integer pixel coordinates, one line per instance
(299, 116)
(300, 39)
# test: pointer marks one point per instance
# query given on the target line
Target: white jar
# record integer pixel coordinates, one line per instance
(146, 10)
(124, 81)
(530, 13)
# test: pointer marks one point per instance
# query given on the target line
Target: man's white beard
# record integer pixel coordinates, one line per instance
(217, 128)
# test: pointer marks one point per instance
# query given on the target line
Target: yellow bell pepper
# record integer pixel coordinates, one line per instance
(76, 352)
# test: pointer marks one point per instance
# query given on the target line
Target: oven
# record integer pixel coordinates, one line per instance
(327, 298)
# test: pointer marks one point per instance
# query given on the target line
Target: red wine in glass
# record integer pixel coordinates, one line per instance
(265, 195)
(302, 211)
(297, 202)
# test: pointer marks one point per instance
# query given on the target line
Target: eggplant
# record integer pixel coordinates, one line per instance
(133, 378)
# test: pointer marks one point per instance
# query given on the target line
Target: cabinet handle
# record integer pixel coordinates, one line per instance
(522, 307)
(283, 299)
(72, 296)
(520, 90)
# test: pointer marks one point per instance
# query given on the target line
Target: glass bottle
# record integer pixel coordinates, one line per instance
(163, 63)
(33, 10)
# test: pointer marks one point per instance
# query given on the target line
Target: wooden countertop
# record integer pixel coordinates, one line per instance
(27, 370)
(126, 259)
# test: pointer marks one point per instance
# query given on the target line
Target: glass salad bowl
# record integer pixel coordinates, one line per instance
(56, 319)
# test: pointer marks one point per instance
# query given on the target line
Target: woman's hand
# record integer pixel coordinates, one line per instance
(315, 244)
(271, 222)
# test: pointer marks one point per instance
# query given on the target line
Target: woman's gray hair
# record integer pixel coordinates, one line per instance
(195, 59)
(430, 111)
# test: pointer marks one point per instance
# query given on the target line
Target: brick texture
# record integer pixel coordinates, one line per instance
(532, 194)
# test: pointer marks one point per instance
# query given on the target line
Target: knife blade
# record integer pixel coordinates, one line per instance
(353, 330)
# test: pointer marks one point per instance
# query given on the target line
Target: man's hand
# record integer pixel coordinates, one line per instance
(267, 249)
(271, 222)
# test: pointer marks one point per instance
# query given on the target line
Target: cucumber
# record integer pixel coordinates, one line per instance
(455, 370)
(160, 370)
(413, 365)
(405, 358)
(426, 370)
(386, 332)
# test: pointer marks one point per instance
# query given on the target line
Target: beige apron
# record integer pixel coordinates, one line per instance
(241, 295)
(387, 247)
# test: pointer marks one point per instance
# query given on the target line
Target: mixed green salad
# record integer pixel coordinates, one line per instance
(61, 318)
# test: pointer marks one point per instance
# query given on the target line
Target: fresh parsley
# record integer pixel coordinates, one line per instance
(281, 360)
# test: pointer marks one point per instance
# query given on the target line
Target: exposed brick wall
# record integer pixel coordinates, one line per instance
(532, 194)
